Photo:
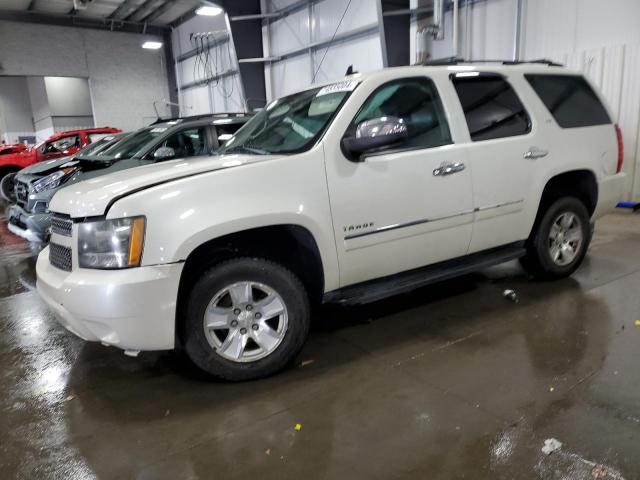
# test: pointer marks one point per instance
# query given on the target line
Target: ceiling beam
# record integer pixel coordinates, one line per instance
(159, 11)
(81, 22)
(140, 8)
(124, 8)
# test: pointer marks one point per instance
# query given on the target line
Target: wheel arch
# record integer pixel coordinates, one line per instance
(291, 245)
(581, 184)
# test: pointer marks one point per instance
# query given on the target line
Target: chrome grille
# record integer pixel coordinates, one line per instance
(61, 225)
(22, 193)
(60, 257)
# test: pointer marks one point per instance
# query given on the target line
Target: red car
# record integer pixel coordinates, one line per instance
(58, 145)
(6, 149)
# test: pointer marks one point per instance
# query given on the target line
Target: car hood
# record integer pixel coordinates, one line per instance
(18, 156)
(93, 197)
(48, 166)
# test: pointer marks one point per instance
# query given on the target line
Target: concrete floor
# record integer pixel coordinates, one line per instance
(453, 381)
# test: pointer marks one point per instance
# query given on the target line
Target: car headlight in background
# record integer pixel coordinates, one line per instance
(54, 180)
(111, 244)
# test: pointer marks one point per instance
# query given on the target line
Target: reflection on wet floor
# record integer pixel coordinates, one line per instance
(451, 381)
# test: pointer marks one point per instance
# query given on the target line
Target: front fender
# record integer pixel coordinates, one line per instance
(186, 213)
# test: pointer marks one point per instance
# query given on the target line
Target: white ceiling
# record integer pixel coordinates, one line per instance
(157, 12)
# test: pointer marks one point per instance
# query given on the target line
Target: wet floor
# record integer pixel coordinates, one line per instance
(452, 381)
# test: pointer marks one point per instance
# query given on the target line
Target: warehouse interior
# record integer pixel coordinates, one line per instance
(485, 371)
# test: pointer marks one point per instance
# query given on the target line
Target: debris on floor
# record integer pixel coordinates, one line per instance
(306, 362)
(599, 472)
(551, 389)
(637, 323)
(267, 451)
(551, 445)
(511, 295)
(298, 427)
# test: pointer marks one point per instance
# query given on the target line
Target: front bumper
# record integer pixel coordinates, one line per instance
(610, 193)
(31, 226)
(132, 309)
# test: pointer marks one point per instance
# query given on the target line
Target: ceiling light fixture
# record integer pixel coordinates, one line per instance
(209, 11)
(152, 45)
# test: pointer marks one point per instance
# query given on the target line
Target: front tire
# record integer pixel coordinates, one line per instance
(7, 187)
(559, 244)
(246, 318)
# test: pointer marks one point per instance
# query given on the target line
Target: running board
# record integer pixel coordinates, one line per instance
(373, 290)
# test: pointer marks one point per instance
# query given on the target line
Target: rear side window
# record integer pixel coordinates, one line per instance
(417, 102)
(570, 99)
(491, 107)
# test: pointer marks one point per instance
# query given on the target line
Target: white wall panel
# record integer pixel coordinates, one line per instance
(290, 33)
(289, 75)
(195, 101)
(364, 54)
(222, 95)
(328, 12)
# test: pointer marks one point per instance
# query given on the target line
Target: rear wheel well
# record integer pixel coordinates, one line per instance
(580, 184)
(289, 245)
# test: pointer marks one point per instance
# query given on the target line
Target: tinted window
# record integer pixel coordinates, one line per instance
(226, 131)
(416, 101)
(187, 143)
(135, 143)
(491, 107)
(570, 99)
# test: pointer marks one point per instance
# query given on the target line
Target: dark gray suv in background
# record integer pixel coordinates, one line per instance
(164, 140)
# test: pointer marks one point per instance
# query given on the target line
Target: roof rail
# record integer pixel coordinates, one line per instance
(459, 60)
(203, 115)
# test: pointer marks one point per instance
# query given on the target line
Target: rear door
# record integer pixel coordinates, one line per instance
(505, 143)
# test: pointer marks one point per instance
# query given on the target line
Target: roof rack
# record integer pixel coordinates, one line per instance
(203, 115)
(458, 60)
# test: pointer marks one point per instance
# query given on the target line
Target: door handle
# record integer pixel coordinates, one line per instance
(535, 152)
(448, 169)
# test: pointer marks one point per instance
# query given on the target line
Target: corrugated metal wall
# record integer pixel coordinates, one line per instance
(224, 95)
(317, 23)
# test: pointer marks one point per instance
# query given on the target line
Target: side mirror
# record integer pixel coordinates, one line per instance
(375, 133)
(164, 153)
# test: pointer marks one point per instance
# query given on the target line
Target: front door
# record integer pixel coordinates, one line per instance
(400, 207)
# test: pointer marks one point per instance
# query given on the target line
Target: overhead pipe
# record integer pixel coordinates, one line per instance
(455, 28)
(517, 31)
(438, 19)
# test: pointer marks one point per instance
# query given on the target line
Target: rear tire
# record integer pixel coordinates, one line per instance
(560, 241)
(246, 318)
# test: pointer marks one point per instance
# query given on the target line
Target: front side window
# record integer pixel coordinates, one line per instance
(491, 107)
(187, 143)
(291, 124)
(417, 103)
(134, 143)
(570, 100)
(62, 144)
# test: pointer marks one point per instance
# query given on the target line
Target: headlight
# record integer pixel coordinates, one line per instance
(111, 244)
(52, 181)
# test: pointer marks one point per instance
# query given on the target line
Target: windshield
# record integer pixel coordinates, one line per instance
(291, 124)
(96, 146)
(130, 146)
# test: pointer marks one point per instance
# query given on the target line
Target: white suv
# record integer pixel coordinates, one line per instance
(346, 193)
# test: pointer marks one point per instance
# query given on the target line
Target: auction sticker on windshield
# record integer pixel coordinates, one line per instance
(346, 86)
